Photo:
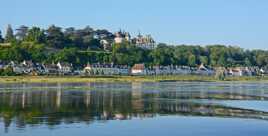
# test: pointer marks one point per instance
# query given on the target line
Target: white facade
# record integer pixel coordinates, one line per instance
(105, 70)
(64, 68)
(138, 72)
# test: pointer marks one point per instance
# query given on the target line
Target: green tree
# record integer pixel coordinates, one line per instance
(191, 60)
(162, 55)
(7, 72)
(36, 35)
(1, 38)
(35, 51)
(69, 55)
(204, 60)
(55, 37)
(9, 34)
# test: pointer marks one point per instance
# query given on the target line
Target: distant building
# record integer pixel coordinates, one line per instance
(105, 44)
(145, 42)
(123, 70)
(138, 69)
(242, 71)
(50, 69)
(106, 69)
(263, 71)
(100, 69)
(202, 70)
(120, 37)
(64, 68)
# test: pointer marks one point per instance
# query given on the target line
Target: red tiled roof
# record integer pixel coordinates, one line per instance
(138, 67)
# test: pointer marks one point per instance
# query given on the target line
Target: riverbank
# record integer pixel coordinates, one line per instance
(69, 79)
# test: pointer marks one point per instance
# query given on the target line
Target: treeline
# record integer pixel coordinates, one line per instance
(82, 46)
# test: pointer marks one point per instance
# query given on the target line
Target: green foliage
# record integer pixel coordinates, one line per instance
(55, 37)
(66, 55)
(1, 38)
(7, 72)
(35, 35)
(128, 54)
(162, 55)
(81, 46)
(9, 34)
(204, 60)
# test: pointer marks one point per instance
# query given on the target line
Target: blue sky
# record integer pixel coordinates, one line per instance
(241, 23)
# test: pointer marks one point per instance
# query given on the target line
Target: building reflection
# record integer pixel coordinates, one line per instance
(102, 102)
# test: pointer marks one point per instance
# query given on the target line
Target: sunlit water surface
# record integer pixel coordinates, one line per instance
(134, 109)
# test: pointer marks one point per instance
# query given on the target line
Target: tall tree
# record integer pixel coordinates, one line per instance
(55, 37)
(1, 38)
(9, 34)
(36, 35)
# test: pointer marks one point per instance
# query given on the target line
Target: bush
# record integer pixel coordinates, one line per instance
(7, 72)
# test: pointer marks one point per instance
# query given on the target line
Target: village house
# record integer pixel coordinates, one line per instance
(31, 68)
(263, 71)
(150, 71)
(19, 69)
(64, 68)
(88, 69)
(39, 68)
(123, 70)
(28, 66)
(182, 70)
(202, 70)
(242, 71)
(106, 69)
(50, 69)
(101, 69)
(161, 70)
(234, 72)
(138, 69)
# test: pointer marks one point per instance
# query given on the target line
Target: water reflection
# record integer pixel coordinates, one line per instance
(53, 104)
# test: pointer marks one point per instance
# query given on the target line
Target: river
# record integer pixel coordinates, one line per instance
(134, 109)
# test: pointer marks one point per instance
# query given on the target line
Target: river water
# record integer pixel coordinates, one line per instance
(134, 109)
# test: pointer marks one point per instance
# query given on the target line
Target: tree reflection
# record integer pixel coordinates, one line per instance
(104, 102)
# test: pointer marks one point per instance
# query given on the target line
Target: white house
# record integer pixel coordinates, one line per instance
(202, 70)
(50, 69)
(101, 69)
(18, 69)
(182, 70)
(138, 69)
(262, 71)
(235, 72)
(123, 70)
(64, 68)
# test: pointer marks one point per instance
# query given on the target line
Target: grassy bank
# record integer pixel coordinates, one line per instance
(69, 79)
